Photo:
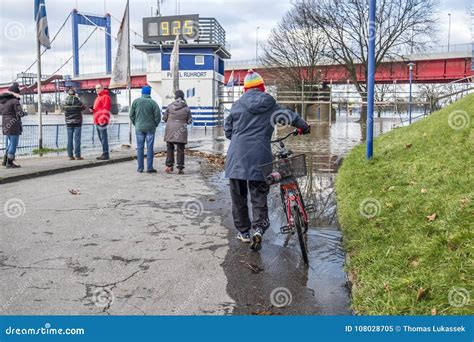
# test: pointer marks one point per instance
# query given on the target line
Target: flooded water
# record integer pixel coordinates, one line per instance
(320, 288)
(336, 139)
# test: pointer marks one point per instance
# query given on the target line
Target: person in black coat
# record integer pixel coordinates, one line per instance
(73, 108)
(250, 127)
(11, 112)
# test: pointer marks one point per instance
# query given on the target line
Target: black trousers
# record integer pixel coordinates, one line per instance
(179, 154)
(239, 191)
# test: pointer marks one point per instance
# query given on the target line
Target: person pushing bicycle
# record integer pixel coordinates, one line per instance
(249, 127)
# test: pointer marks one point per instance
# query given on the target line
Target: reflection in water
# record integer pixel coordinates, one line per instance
(325, 140)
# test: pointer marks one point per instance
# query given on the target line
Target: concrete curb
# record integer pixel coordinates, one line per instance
(42, 173)
(68, 168)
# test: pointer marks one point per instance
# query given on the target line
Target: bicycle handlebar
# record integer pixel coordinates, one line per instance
(295, 132)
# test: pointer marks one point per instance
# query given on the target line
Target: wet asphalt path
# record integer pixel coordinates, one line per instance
(139, 244)
(276, 281)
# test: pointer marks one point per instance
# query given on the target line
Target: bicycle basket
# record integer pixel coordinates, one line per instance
(293, 166)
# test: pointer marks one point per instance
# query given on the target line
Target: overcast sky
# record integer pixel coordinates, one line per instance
(239, 19)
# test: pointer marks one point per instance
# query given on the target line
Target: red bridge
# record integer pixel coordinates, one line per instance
(428, 68)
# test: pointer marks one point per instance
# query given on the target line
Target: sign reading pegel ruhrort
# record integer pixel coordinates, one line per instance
(160, 29)
(190, 74)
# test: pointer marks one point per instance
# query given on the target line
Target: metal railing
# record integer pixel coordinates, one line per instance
(55, 137)
(389, 102)
(466, 47)
(435, 49)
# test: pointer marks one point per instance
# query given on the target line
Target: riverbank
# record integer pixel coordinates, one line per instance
(407, 217)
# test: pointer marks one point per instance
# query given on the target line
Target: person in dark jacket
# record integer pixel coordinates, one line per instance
(249, 127)
(73, 108)
(177, 117)
(11, 112)
(145, 116)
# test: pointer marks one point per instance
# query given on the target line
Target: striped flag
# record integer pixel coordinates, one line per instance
(42, 23)
(230, 82)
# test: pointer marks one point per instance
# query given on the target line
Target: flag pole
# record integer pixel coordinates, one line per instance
(129, 76)
(40, 117)
(233, 85)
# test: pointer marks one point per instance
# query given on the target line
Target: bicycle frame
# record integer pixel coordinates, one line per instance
(291, 197)
(285, 170)
(289, 189)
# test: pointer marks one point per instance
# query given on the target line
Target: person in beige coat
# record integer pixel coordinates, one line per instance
(177, 117)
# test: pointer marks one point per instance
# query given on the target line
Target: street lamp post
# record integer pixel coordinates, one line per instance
(256, 45)
(371, 80)
(410, 66)
(449, 31)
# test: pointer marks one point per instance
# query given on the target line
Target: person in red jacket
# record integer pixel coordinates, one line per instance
(101, 116)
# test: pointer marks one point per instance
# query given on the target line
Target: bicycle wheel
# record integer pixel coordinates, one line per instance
(300, 229)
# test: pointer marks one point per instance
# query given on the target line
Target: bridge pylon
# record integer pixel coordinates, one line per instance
(92, 20)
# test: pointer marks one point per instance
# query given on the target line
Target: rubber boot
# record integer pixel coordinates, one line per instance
(4, 162)
(11, 164)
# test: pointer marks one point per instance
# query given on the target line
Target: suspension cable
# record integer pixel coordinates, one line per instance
(69, 59)
(51, 42)
(96, 26)
(133, 31)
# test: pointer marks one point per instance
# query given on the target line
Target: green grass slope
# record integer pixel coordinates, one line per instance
(407, 217)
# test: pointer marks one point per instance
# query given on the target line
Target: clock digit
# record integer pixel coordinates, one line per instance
(188, 27)
(176, 27)
(165, 28)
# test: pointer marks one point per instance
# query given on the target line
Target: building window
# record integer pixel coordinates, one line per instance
(199, 60)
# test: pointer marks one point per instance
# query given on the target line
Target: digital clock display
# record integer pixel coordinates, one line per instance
(157, 29)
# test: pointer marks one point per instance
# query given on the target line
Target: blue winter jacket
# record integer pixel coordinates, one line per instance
(249, 127)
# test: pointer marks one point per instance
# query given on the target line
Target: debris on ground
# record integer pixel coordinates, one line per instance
(254, 268)
(217, 161)
(74, 191)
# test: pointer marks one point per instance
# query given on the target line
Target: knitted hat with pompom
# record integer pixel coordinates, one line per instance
(253, 80)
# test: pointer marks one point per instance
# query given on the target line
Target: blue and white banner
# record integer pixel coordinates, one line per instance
(42, 23)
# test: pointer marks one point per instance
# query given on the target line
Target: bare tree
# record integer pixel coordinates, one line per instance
(440, 95)
(399, 23)
(380, 95)
(294, 49)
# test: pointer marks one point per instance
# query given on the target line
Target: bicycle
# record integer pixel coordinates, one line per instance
(285, 170)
